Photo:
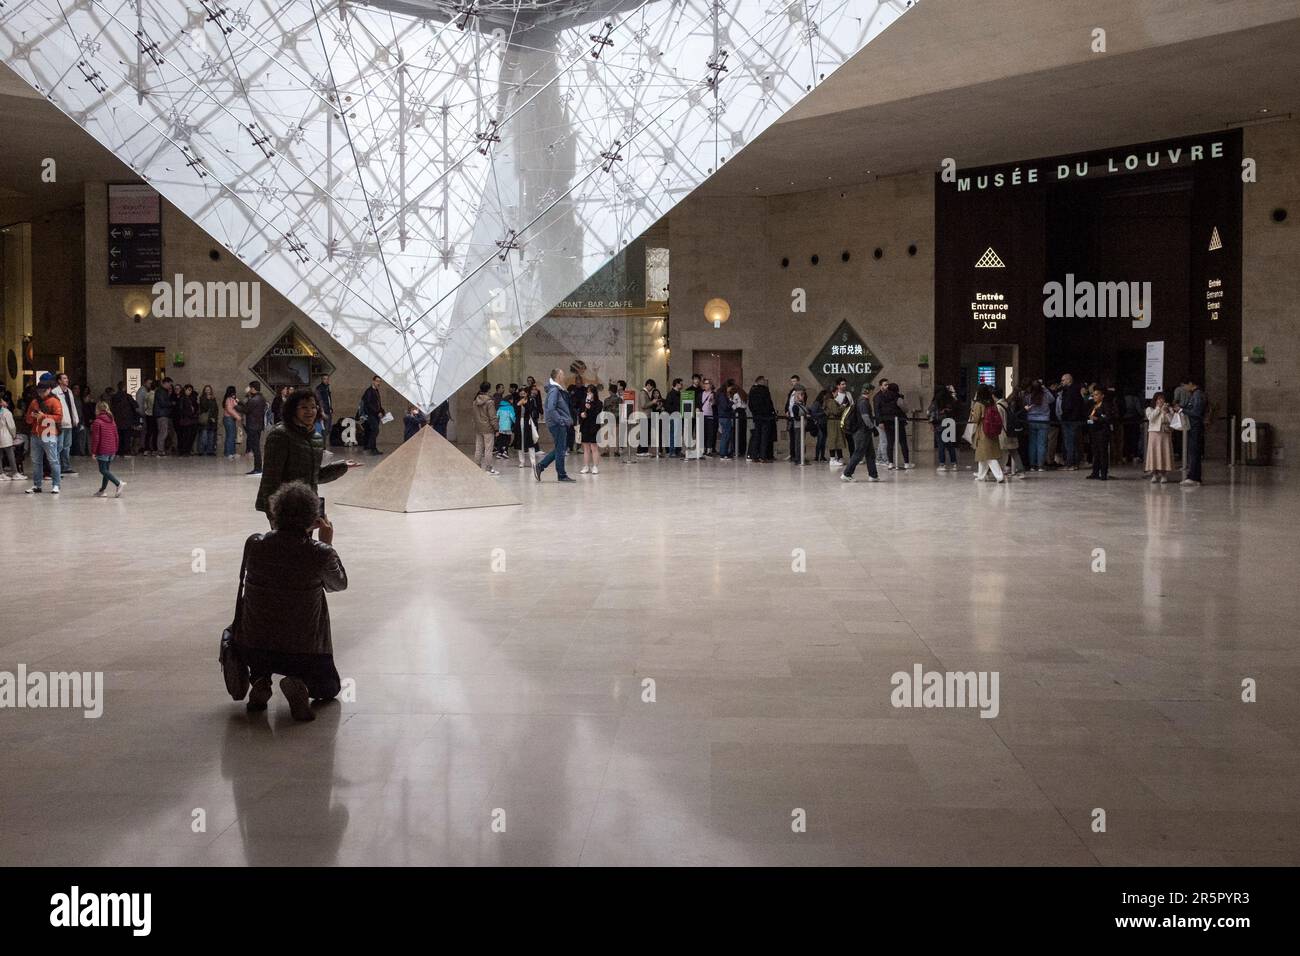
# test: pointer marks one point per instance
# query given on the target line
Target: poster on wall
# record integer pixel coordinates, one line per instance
(1155, 372)
(590, 350)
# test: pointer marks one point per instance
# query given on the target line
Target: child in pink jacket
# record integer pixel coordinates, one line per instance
(103, 445)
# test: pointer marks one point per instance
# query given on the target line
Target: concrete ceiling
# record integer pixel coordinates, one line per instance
(993, 81)
(36, 130)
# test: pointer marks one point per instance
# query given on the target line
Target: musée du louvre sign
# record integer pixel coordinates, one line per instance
(1089, 166)
(845, 356)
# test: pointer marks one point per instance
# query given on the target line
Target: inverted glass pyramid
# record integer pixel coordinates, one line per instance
(426, 179)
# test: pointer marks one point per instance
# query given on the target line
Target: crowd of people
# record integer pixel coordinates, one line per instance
(1040, 427)
(1036, 428)
(53, 421)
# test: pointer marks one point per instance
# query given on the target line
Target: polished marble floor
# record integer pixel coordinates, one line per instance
(507, 686)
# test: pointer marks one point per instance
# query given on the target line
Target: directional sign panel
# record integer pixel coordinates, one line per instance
(134, 235)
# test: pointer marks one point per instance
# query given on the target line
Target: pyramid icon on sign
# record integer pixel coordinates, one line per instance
(1215, 241)
(990, 260)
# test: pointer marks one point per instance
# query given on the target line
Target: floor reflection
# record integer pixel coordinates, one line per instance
(300, 806)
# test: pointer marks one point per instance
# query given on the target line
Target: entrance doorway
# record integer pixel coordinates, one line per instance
(137, 364)
(1216, 387)
(993, 365)
(717, 366)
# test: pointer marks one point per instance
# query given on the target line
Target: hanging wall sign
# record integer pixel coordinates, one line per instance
(134, 235)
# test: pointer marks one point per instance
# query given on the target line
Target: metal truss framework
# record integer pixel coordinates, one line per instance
(425, 179)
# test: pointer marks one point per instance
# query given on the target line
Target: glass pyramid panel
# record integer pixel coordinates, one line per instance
(426, 179)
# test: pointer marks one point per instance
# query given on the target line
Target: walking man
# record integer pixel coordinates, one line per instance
(559, 419)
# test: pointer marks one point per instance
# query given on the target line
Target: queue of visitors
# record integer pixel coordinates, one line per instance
(1033, 429)
(53, 422)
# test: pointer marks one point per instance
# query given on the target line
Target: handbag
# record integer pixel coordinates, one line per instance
(1177, 422)
(969, 435)
(233, 668)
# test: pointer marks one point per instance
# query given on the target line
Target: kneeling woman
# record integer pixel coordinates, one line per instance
(284, 625)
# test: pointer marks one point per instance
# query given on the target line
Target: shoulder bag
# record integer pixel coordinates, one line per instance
(233, 668)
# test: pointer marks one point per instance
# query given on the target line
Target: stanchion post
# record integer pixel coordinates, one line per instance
(1232, 442)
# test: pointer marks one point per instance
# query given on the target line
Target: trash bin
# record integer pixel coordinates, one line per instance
(1260, 451)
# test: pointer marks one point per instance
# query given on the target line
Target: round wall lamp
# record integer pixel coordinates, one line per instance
(911, 250)
(785, 263)
(717, 311)
(815, 259)
(1279, 214)
(844, 256)
(137, 305)
(879, 253)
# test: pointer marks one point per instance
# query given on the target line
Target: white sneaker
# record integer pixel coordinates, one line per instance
(906, 466)
(942, 468)
(493, 472)
(874, 479)
(584, 470)
(846, 477)
(120, 486)
(595, 470)
(55, 489)
(100, 494)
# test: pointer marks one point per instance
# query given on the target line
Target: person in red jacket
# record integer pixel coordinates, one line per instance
(103, 446)
(44, 419)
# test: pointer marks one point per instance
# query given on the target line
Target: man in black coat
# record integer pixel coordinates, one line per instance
(764, 414)
(374, 411)
(122, 405)
(325, 399)
(1071, 410)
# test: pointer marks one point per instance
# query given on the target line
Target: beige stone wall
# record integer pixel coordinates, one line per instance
(1271, 283)
(218, 352)
(733, 248)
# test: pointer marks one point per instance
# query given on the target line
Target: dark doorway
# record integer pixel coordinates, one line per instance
(137, 364)
(717, 366)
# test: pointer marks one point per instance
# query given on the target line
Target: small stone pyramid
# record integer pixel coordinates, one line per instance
(426, 473)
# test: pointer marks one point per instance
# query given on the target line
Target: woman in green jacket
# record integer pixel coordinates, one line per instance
(293, 450)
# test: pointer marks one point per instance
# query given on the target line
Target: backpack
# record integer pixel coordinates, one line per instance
(851, 420)
(1019, 423)
(992, 423)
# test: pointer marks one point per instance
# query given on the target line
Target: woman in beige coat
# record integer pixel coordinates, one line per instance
(1160, 440)
(835, 442)
(987, 450)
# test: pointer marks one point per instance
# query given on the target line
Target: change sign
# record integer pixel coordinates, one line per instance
(846, 356)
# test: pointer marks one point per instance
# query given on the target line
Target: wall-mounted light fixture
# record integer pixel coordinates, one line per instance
(717, 311)
(137, 305)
